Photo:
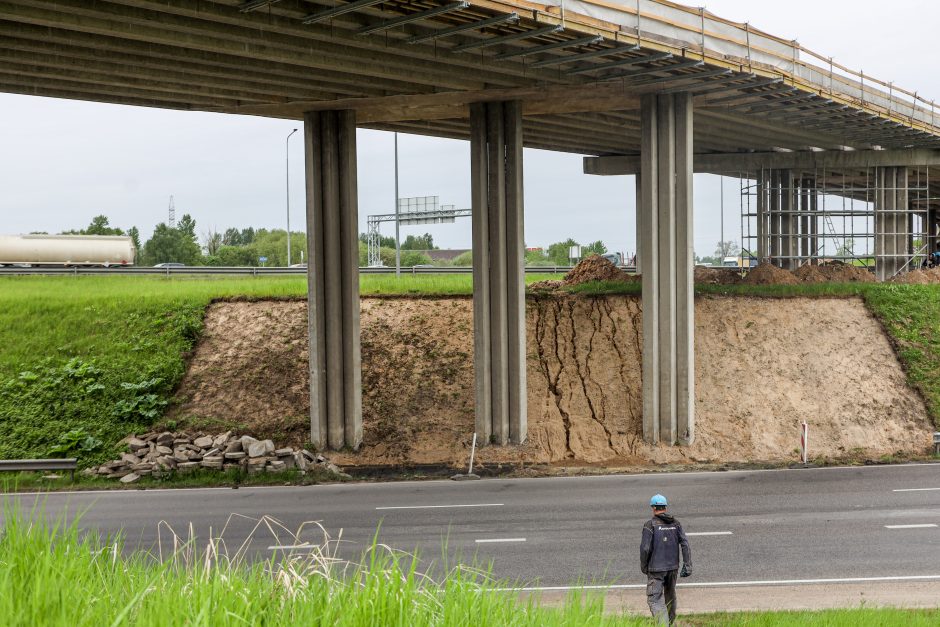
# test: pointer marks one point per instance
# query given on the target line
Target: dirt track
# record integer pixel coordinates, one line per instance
(762, 366)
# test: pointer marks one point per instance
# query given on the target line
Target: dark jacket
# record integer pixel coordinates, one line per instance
(662, 539)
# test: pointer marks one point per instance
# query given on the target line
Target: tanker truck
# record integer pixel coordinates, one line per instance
(66, 250)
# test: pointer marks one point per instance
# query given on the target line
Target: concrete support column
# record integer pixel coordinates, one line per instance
(668, 315)
(813, 221)
(333, 279)
(805, 246)
(763, 250)
(773, 230)
(891, 221)
(498, 271)
(789, 237)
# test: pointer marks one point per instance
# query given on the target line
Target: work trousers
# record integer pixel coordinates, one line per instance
(661, 596)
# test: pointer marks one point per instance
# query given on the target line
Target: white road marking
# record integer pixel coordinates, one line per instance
(709, 533)
(720, 584)
(924, 526)
(917, 490)
(441, 506)
(290, 547)
(490, 540)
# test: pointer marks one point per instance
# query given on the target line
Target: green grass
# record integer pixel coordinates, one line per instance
(52, 574)
(85, 361)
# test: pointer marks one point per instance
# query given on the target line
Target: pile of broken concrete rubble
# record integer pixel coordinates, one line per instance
(158, 454)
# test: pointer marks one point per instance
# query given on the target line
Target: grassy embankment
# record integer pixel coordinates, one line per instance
(84, 361)
(53, 575)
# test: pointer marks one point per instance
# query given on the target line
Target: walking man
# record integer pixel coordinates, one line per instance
(663, 538)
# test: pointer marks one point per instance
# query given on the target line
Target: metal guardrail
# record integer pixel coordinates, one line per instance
(14, 465)
(190, 270)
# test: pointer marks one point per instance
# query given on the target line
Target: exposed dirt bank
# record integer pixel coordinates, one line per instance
(762, 366)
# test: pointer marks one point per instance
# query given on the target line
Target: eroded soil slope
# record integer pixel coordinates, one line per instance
(762, 366)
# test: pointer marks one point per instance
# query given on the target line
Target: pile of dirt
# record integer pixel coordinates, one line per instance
(927, 276)
(769, 274)
(548, 285)
(717, 276)
(810, 274)
(842, 273)
(596, 268)
(763, 366)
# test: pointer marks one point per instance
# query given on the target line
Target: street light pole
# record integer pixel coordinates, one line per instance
(287, 170)
(397, 219)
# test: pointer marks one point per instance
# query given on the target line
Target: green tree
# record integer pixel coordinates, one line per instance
(99, 226)
(384, 242)
(232, 237)
(727, 249)
(558, 252)
(213, 241)
(464, 259)
(171, 245)
(187, 226)
(594, 248)
(418, 242)
(134, 234)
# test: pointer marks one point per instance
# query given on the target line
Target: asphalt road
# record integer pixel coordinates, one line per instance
(801, 525)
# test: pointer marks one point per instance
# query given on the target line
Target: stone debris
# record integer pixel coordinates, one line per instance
(156, 454)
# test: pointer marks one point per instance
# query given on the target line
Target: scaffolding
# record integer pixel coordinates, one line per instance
(883, 218)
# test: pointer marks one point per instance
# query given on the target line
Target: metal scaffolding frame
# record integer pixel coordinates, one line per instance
(880, 217)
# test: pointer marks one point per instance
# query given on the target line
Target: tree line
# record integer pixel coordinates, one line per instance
(268, 247)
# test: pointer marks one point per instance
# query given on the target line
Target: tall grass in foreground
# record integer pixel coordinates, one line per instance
(53, 575)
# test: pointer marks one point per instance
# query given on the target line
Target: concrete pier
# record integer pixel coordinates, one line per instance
(892, 243)
(667, 261)
(333, 279)
(498, 271)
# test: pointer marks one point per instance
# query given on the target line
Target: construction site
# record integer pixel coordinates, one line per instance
(835, 183)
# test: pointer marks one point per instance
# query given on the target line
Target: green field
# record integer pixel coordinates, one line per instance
(85, 361)
(51, 574)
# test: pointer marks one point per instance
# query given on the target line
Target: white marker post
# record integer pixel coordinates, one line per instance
(469, 475)
(804, 442)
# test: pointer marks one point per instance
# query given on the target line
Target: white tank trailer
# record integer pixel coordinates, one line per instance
(67, 250)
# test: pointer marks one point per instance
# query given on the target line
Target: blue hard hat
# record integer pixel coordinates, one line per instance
(658, 501)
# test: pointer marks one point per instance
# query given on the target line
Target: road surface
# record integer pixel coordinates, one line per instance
(873, 530)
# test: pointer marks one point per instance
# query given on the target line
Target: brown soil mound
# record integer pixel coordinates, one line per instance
(717, 276)
(596, 268)
(769, 274)
(763, 366)
(548, 284)
(810, 274)
(843, 273)
(919, 277)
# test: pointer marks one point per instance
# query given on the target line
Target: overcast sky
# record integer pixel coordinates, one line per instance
(62, 162)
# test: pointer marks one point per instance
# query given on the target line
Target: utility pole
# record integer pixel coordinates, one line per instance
(397, 217)
(287, 170)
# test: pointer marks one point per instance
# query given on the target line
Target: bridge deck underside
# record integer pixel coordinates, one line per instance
(415, 66)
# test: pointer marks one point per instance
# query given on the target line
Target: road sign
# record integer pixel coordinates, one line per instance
(263, 259)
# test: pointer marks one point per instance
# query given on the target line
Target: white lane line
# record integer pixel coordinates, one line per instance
(709, 533)
(722, 584)
(917, 490)
(492, 540)
(441, 506)
(924, 526)
(290, 547)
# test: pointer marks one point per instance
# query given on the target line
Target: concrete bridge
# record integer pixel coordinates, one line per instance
(642, 87)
